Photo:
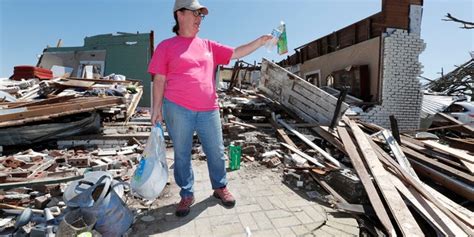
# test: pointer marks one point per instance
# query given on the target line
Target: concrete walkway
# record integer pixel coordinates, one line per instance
(265, 207)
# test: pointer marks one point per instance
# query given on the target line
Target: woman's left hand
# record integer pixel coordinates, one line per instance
(264, 39)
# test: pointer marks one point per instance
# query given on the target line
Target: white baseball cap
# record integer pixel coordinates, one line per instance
(190, 5)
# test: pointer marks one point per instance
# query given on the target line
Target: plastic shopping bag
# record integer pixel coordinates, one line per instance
(151, 175)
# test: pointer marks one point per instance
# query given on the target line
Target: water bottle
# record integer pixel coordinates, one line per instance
(270, 45)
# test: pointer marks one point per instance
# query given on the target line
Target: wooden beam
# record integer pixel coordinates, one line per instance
(326, 155)
(405, 220)
(436, 219)
(463, 157)
(364, 176)
(57, 109)
(39, 181)
(460, 154)
(133, 104)
(462, 128)
(454, 185)
(398, 153)
(414, 155)
(461, 212)
(419, 186)
(302, 154)
(281, 133)
(42, 102)
(418, 146)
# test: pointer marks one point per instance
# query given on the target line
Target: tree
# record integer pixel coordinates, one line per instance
(466, 24)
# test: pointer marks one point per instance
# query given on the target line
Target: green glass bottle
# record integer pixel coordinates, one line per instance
(235, 153)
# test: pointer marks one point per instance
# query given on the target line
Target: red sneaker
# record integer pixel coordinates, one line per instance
(184, 206)
(225, 196)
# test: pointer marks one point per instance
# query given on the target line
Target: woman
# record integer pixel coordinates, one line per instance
(184, 95)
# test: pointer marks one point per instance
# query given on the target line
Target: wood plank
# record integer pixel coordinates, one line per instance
(398, 153)
(461, 212)
(282, 133)
(462, 128)
(419, 186)
(413, 155)
(466, 144)
(463, 157)
(461, 188)
(408, 142)
(134, 103)
(243, 124)
(326, 155)
(304, 155)
(43, 102)
(49, 180)
(54, 109)
(438, 220)
(330, 137)
(329, 189)
(405, 220)
(364, 176)
(75, 83)
(103, 81)
(460, 154)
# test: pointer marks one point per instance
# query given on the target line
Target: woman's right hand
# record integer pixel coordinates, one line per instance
(156, 117)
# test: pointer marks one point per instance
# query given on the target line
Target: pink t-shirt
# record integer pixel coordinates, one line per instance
(189, 66)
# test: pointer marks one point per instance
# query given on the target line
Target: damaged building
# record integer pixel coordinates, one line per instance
(377, 58)
(127, 54)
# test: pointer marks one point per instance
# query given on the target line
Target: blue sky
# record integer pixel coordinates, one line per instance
(27, 26)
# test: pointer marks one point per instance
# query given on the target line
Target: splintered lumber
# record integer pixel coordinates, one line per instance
(58, 110)
(133, 104)
(330, 137)
(454, 185)
(419, 186)
(460, 154)
(366, 181)
(405, 220)
(75, 83)
(437, 219)
(39, 181)
(414, 155)
(281, 132)
(329, 189)
(105, 81)
(461, 143)
(398, 153)
(311, 144)
(465, 158)
(41, 102)
(461, 212)
(243, 124)
(461, 128)
(418, 146)
(302, 154)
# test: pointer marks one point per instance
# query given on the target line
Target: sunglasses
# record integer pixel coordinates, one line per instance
(196, 13)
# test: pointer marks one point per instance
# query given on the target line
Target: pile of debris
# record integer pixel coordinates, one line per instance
(32, 111)
(393, 182)
(410, 174)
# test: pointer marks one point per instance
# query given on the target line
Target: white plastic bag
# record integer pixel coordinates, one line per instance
(151, 174)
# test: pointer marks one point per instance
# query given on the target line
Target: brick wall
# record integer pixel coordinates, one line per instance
(401, 89)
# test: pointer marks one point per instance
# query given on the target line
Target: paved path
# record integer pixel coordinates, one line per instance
(265, 207)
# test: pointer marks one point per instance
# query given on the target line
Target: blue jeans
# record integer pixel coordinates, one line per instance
(181, 124)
